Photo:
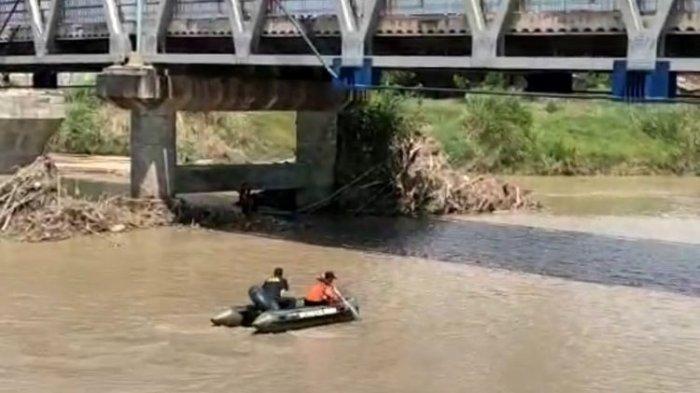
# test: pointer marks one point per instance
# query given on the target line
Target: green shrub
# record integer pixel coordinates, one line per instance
(495, 81)
(84, 129)
(502, 129)
(592, 81)
(551, 107)
(373, 123)
(461, 82)
(677, 127)
(368, 129)
(400, 78)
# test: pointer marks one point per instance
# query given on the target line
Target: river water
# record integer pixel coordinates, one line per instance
(448, 306)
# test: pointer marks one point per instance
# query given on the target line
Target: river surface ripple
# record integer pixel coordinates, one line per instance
(129, 313)
(580, 256)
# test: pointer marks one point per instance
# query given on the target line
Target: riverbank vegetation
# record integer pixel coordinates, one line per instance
(95, 127)
(388, 164)
(554, 137)
(479, 134)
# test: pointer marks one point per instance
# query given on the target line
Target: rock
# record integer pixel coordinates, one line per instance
(117, 228)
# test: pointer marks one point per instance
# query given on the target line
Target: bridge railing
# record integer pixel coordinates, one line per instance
(456, 7)
(536, 6)
(423, 7)
(302, 7)
(86, 18)
(645, 6)
(688, 5)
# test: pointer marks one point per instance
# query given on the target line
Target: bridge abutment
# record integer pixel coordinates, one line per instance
(28, 119)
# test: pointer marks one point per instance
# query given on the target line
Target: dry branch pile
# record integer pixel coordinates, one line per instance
(414, 177)
(426, 182)
(32, 208)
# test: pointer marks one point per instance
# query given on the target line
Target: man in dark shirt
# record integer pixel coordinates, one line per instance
(275, 285)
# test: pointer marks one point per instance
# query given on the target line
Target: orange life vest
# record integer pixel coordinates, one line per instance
(321, 292)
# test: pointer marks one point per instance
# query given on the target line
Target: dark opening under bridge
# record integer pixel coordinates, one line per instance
(161, 56)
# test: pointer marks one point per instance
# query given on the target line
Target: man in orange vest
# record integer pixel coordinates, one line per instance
(323, 292)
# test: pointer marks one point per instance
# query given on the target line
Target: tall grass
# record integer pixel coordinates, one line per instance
(560, 137)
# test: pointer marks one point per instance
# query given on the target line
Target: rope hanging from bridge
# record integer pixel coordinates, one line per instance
(306, 38)
(11, 35)
(9, 16)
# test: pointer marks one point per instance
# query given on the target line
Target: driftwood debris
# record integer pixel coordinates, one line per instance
(33, 209)
(426, 182)
(415, 177)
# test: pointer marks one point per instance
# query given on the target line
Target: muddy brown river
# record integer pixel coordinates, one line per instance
(447, 306)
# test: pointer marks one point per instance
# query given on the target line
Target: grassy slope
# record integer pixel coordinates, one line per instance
(570, 137)
(603, 136)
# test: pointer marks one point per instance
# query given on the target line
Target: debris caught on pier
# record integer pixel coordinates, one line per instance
(424, 181)
(34, 208)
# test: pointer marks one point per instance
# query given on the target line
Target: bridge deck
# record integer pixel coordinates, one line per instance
(500, 34)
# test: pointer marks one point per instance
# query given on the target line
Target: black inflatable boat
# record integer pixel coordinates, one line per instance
(266, 320)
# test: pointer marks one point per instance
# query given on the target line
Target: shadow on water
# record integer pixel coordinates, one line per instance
(578, 256)
(673, 267)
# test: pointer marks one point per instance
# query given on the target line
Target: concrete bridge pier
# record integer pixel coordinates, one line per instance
(154, 100)
(153, 152)
(317, 135)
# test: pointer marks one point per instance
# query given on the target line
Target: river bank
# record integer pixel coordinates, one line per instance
(642, 207)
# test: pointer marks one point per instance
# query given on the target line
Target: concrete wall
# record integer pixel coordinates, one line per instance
(28, 118)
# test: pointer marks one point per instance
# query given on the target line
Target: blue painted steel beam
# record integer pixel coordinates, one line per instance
(659, 84)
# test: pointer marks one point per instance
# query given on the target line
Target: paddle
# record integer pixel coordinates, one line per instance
(355, 314)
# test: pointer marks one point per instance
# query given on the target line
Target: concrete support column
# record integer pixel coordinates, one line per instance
(357, 20)
(643, 32)
(317, 134)
(487, 42)
(153, 152)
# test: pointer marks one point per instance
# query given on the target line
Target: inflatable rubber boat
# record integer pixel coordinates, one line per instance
(270, 319)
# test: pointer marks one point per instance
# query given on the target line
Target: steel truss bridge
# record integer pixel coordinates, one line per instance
(643, 42)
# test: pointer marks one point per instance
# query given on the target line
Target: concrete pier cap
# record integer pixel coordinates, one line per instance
(140, 87)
